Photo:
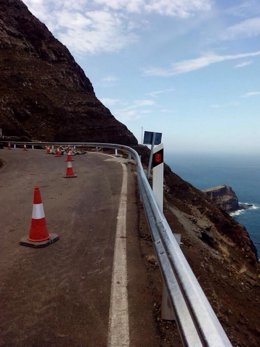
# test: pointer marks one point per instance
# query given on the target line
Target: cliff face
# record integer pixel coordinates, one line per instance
(45, 95)
(224, 197)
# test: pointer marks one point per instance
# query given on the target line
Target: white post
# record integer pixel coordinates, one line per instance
(32, 146)
(158, 171)
(151, 157)
(14, 145)
(167, 312)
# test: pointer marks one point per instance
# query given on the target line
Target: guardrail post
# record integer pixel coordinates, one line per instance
(14, 145)
(116, 152)
(32, 146)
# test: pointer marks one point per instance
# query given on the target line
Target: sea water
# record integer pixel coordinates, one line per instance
(241, 172)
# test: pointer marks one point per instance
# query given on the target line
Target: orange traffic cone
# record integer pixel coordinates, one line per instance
(69, 156)
(69, 171)
(38, 233)
(9, 145)
(48, 150)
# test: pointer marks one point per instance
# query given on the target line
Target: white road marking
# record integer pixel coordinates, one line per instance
(118, 334)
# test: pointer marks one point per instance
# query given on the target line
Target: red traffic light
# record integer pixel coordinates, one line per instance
(157, 158)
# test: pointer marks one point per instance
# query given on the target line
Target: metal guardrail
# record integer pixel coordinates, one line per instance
(197, 323)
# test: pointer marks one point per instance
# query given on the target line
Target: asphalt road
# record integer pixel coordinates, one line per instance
(60, 295)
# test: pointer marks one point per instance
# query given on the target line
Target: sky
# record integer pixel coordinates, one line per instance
(189, 69)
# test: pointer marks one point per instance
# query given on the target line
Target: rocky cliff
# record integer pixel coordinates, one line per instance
(44, 94)
(224, 197)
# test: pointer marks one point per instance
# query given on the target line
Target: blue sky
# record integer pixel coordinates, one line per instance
(187, 68)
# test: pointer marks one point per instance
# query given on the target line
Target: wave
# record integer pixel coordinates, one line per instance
(236, 213)
(249, 205)
(245, 207)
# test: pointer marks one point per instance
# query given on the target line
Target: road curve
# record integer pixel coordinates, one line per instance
(60, 295)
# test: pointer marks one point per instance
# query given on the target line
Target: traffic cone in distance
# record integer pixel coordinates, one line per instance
(58, 152)
(69, 156)
(38, 234)
(24, 147)
(69, 171)
(9, 145)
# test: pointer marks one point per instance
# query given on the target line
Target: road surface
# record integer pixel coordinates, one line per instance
(61, 295)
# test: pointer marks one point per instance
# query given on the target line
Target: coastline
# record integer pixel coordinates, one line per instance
(239, 172)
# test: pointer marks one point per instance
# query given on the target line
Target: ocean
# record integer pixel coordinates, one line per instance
(240, 172)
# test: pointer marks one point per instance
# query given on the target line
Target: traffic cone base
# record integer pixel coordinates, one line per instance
(38, 231)
(39, 244)
(70, 176)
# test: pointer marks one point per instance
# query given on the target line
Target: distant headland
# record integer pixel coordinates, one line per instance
(225, 198)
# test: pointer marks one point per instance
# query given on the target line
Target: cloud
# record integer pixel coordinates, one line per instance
(109, 102)
(155, 93)
(131, 111)
(94, 32)
(82, 26)
(245, 29)
(95, 26)
(244, 9)
(250, 94)
(243, 64)
(177, 8)
(227, 105)
(109, 79)
(189, 65)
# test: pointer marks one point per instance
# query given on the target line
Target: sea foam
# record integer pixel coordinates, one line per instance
(251, 206)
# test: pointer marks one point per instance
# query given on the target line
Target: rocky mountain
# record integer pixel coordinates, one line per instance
(44, 94)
